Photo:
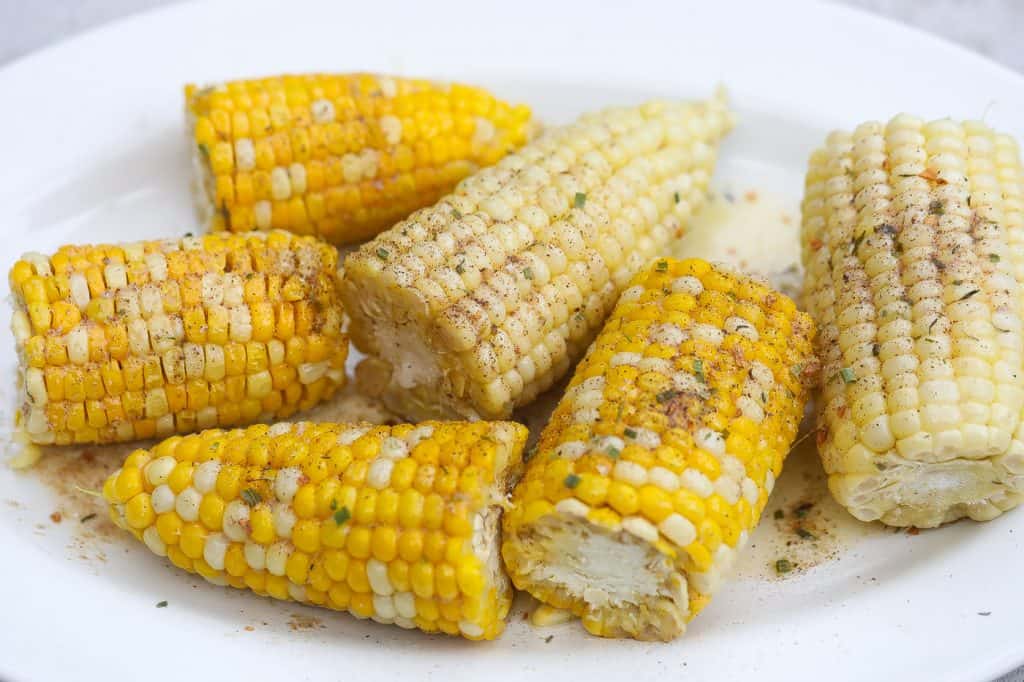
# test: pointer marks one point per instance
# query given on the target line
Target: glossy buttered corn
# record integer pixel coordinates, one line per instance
(339, 156)
(913, 241)
(121, 342)
(472, 307)
(395, 523)
(657, 462)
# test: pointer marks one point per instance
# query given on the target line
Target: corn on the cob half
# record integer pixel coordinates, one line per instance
(474, 306)
(119, 342)
(395, 523)
(339, 156)
(658, 461)
(913, 241)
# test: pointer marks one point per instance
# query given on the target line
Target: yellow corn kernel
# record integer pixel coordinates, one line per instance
(639, 450)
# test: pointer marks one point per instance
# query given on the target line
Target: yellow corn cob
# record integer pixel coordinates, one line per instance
(658, 461)
(394, 523)
(339, 156)
(151, 338)
(913, 241)
(474, 306)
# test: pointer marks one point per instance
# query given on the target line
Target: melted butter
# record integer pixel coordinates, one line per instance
(753, 230)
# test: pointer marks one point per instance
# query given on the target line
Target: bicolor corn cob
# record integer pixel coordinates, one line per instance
(474, 306)
(339, 156)
(913, 241)
(394, 523)
(658, 461)
(151, 338)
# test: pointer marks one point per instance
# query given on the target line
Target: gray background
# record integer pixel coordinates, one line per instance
(992, 27)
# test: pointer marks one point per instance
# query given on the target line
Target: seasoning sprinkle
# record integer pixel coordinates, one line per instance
(698, 369)
(783, 566)
(629, 433)
(993, 257)
(528, 273)
(661, 266)
(251, 497)
(383, 254)
(848, 376)
(161, 604)
(580, 200)
(676, 197)
(87, 518)
(970, 293)
(571, 481)
(341, 516)
(666, 396)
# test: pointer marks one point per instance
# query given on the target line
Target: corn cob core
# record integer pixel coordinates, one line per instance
(399, 524)
(658, 461)
(913, 241)
(474, 306)
(137, 340)
(339, 156)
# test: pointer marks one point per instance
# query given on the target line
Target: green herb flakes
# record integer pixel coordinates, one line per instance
(783, 566)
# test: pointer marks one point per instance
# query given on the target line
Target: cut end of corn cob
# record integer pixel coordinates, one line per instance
(132, 341)
(339, 156)
(913, 241)
(395, 523)
(476, 305)
(658, 461)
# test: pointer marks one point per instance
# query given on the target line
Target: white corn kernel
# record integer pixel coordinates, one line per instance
(640, 527)
(286, 483)
(377, 575)
(187, 504)
(162, 499)
(678, 529)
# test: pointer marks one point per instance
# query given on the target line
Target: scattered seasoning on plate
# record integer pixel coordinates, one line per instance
(805, 534)
(56, 517)
(161, 604)
(87, 518)
(783, 566)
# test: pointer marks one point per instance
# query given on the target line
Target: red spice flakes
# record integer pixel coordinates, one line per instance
(816, 244)
(913, 530)
(820, 436)
(750, 196)
(56, 517)
(249, 628)
(931, 175)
